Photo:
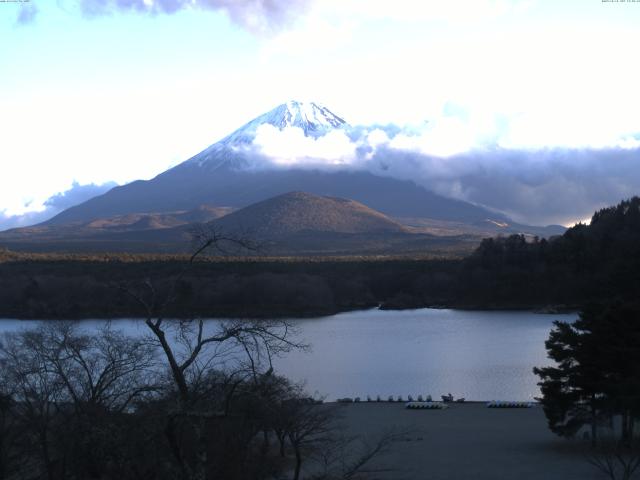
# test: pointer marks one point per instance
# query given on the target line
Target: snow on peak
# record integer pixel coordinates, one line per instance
(312, 118)
(309, 116)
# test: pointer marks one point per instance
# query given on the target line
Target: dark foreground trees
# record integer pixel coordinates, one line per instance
(597, 377)
(67, 395)
(594, 389)
(76, 405)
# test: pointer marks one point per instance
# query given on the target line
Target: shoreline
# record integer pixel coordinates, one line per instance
(316, 314)
(468, 441)
(535, 403)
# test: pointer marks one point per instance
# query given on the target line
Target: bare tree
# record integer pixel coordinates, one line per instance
(106, 370)
(192, 347)
(309, 428)
(352, 457)
(66, 387)
(615, 459)
(317, 435)
(37, 394)
(9, 434)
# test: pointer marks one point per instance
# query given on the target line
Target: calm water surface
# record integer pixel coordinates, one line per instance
(476, 355)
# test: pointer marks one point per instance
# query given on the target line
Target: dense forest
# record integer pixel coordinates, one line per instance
(589, 262)
(599, 261)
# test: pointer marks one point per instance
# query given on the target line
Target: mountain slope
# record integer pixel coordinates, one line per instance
(241, 188)
(222, 175)
(300, 212)
(119, 226)
(295, 223)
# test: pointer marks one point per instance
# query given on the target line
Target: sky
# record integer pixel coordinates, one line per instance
(531, 107)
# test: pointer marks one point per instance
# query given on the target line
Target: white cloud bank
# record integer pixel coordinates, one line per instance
(290, 147)
(560, 183)
(52, 206)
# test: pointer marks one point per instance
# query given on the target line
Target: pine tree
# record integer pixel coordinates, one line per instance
(597, 372)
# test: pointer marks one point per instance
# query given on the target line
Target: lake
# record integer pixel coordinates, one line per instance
(479, 355)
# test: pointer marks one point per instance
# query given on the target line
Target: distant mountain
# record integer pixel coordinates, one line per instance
(119, 226)
(224, 176)
(299, 212)
(295, 223)
(219, 176)
(188, 186)
(299, 223)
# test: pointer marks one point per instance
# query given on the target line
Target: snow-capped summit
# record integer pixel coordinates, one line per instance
(313, 119)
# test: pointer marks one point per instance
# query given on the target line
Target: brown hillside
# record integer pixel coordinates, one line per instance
(299, 212)
(101, 227)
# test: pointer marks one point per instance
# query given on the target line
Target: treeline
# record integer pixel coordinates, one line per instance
(595, 262)
(240, 288)
(588, 262)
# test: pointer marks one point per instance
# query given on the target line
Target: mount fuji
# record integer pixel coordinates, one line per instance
(221, 179)
(218, 176)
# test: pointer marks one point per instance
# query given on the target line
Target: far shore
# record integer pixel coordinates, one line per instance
(55, 286)
(311, 314)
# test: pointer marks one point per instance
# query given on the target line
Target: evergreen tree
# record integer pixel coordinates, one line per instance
(597, 372)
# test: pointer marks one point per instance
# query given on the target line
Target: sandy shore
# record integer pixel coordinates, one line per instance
(470, 441)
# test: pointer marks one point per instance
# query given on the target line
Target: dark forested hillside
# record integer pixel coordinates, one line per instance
(67, 287)
(596, 261)
(600, 261)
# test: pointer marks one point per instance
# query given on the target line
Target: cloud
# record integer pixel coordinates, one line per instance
(54, 205)
(262, 17)
(290, 146)
(540, 186)
(77, 194)
(27, 13)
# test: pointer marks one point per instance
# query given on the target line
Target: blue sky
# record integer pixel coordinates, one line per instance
(92, 93)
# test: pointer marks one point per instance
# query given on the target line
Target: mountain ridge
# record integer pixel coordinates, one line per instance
(220, 176)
